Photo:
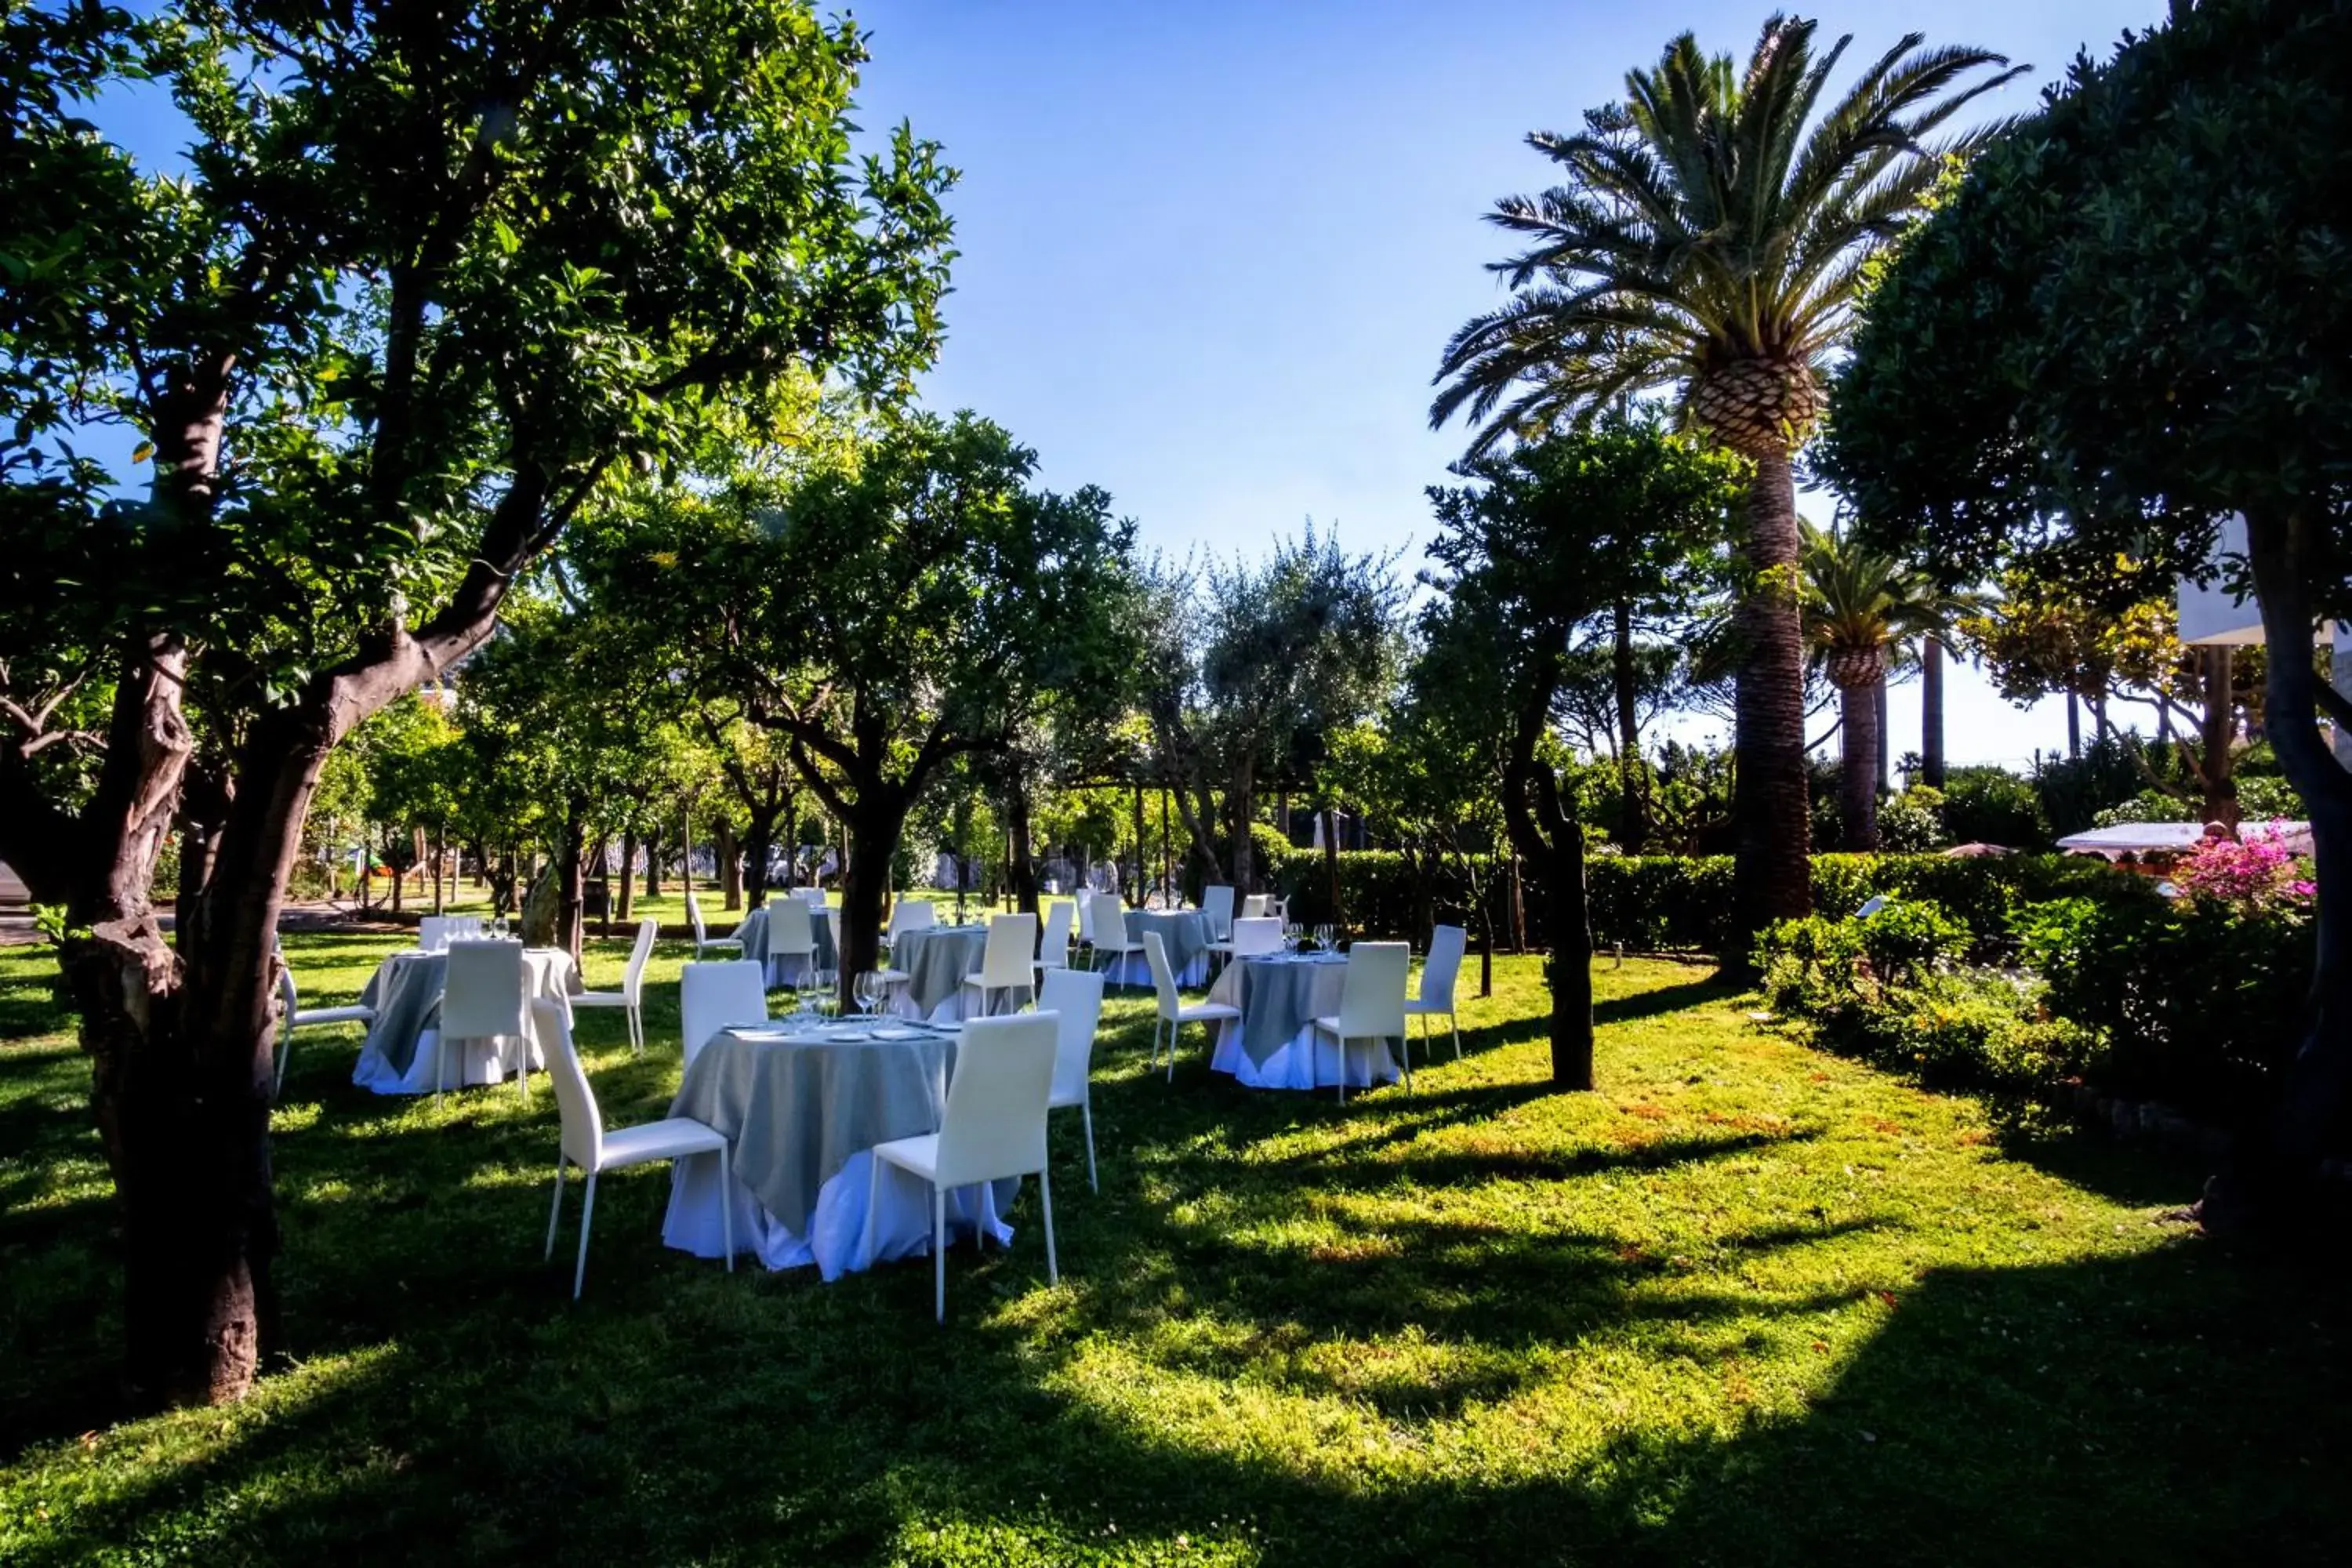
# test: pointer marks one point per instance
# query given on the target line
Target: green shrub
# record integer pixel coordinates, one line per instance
(1993, 806)
(1911, 823)
(2200, 1004)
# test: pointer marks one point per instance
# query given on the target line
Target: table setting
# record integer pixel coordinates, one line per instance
(1274, 1044)
(780, 968)
(400, 1055)
(935, 963)
(801, 1102)
(1186, 935)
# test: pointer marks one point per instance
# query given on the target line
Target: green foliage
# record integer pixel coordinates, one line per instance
(1887, 988)
(1911, 823)
(2128, 321)
(1992, 805)
(2200, 1002)
(1715, 217)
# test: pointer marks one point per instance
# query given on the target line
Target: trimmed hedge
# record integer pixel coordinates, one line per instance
(1670, 903)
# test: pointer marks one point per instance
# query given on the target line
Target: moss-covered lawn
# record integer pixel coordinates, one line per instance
(1749, 1304)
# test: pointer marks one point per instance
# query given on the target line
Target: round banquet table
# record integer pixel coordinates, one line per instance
(1274, 1044)
(783, 969)
(802, 1106)
(400, 1054)
(1186, 935)
(935, 963)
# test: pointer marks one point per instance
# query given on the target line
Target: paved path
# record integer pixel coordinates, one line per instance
(15, 914)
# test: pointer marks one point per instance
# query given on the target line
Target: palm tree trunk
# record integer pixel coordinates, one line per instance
(1931, 713)
(1772, 876)
(1858, 766)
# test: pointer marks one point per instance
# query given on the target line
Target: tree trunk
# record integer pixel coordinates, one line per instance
(1241, 806)
(629, 874)
(1634, 832)
(1858, 767)
(1773, 876)
(2220, 729)
(731, 869)
(652, 865)
(571, 879)
(1023, 861)
(1142, 876)
(1931, 713)
(2074, 728)
(1883, 769)
(874, 828)
(2270, 1172)
(1569, 969)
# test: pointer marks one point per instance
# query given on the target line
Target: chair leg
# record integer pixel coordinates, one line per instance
(939, 1253)
(1454, 1023)
(1046, 1192)
(1343, 1069)
(1175, 1032)
(1087, 1114)
(587, 1218)
(727, 1208)
(554, 1210)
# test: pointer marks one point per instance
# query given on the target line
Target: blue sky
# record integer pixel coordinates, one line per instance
(1211, 252)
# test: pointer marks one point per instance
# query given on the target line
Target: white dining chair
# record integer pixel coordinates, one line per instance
(714, 996)
(1076, 997)
(1217, 903)
(433, 932)
(631, 996)
(910, 915)
(1006, 962)
(995, 1128)
(296, 1016)
(1053, 946)
(813, 897)
(792, 935)
(1255, 906)
(1086, 902)
(1258, 935)
(1173, 1013)
(704, 942)
(582, 1141)
(481, 998)
(1372, 1003)
(1112, 944)
(1439, 973)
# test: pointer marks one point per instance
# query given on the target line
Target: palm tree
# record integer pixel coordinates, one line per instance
(1859, 606)
(1708, 237)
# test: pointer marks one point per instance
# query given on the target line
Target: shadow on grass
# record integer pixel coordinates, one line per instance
(2161, 1408)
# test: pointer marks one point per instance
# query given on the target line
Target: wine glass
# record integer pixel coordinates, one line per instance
(1323, 935)
(1291, 935)
(867, 989)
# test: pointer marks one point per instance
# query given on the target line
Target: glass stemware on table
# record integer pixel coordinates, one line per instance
(869, 990)
(1323, 935)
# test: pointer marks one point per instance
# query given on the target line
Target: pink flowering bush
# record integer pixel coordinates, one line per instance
(2255, 870)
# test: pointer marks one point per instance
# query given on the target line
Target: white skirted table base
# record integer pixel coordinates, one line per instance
(845, 1236)
(402, 1054)
(1274, 1044)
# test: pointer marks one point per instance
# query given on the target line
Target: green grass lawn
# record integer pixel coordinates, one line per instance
(1748, 1304)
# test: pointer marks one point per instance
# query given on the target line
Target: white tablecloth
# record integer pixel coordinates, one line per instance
(800, 1109)
(1184, 933)
(400, 1054)
(1274, 1044)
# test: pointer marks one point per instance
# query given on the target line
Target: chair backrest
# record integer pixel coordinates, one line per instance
(1087, 915)
(710, 996)
(912, 915)
(694, 914)
(575, 1102)
(483, 993)
(1257, 934)
(1163, 978)
(286, 986)
(433, 931)
(1011, 945)
(1439, 971)
(791, 930)
(1074, 996)
(1054, 947)
(995, 1121)
(633, 979)
(1110, 920)
(1217, 903)
(1254, 906)
(813, 897)
(1371, 997)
